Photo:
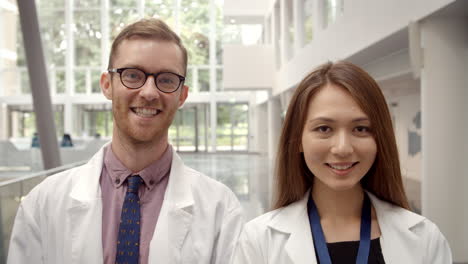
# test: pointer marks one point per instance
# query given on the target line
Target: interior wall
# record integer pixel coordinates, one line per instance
(406, 112)
(358, 29)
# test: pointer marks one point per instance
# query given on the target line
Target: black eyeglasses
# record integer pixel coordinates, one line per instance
(134, 78)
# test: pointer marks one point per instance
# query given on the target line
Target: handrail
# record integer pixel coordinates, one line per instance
(42, 173)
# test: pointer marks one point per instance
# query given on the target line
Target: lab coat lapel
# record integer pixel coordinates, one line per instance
(399, 244)
(84, 215)
(294, 221)
(176, 215)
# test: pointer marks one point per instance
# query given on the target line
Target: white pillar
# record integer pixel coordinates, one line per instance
(299, 30)
(262, 128)
(68, 118)
(176, 13)
(444, 93)
(284, 22)
(3, 122)
(274, 126)
(276, 34)
(274, 132)
(253, 122)
(70, 54)
(105, 33)
(141, 8)
(213, 83)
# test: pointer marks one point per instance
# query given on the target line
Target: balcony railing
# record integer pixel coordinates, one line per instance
(11, 194)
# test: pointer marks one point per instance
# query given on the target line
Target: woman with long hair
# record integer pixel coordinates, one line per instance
(339, 192)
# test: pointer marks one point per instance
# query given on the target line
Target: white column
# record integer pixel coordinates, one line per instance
(299, 30)
(3, 122)
(444, 94)
(267, 30)
(105, 33)
(88, 81)
(141, 8)
(274, 126)
(69, 65)
(261, 120)
(195, 85)
(70, 54)
(213, 108)
(177, 16)
(284, 22)
(274, 132)
(276, 34)
(253, 122)
(68, 117)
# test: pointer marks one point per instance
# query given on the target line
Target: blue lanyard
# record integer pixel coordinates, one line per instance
(319, 238)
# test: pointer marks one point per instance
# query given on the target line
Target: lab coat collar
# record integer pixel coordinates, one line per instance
(293, 220)
(86, 187)
(398, 242)
(84, 218)
(175, 218)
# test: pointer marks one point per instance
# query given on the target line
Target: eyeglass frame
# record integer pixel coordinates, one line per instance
(155, 76)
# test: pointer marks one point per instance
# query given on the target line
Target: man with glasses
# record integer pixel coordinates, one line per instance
(134, 201)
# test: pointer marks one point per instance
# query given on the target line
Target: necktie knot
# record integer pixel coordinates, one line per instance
(134, 183)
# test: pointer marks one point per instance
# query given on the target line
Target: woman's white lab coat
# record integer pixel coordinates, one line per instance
(283, 236)
(60, 220)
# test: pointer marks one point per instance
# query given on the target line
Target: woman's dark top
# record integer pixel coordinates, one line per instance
(346, 252)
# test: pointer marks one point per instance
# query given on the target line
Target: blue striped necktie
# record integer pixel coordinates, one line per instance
(128, 241)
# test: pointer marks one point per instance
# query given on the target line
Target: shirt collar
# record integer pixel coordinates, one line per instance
(151, 175)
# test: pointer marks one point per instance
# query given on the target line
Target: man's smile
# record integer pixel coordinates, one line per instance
(146, 111)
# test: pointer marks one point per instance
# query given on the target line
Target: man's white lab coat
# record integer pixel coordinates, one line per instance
(60, 220)
(283, 236)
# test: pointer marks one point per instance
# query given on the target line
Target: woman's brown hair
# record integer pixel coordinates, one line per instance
(292, 174)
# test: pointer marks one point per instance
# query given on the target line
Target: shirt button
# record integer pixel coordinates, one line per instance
(117, 181)
(151, 182)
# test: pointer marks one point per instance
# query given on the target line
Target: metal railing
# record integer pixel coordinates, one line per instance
(11, 193)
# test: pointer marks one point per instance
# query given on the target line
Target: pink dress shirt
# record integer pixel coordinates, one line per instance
(114, 187)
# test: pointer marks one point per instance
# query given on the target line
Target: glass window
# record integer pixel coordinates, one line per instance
(98, 122)
(219, 32)
(124, 3)
(95, 77)
(204, 80)
(189, 77)
(232, 130)
(219, 80)
(332, 9)
(240, 126)
(26, 121)
(51, 4)
(308, 20)
(87, 3)
(103, 123)
(163, 9)
(25, 84)
(88, 38)
(245, 34)
(80, 81)
(120, 17)
(60, 80)
(53, 32)
(194, 21)
(187, 129)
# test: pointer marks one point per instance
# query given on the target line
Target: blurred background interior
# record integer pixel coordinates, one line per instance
(245, 59)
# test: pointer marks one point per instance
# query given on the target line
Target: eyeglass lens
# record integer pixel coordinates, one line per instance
(135, 78)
